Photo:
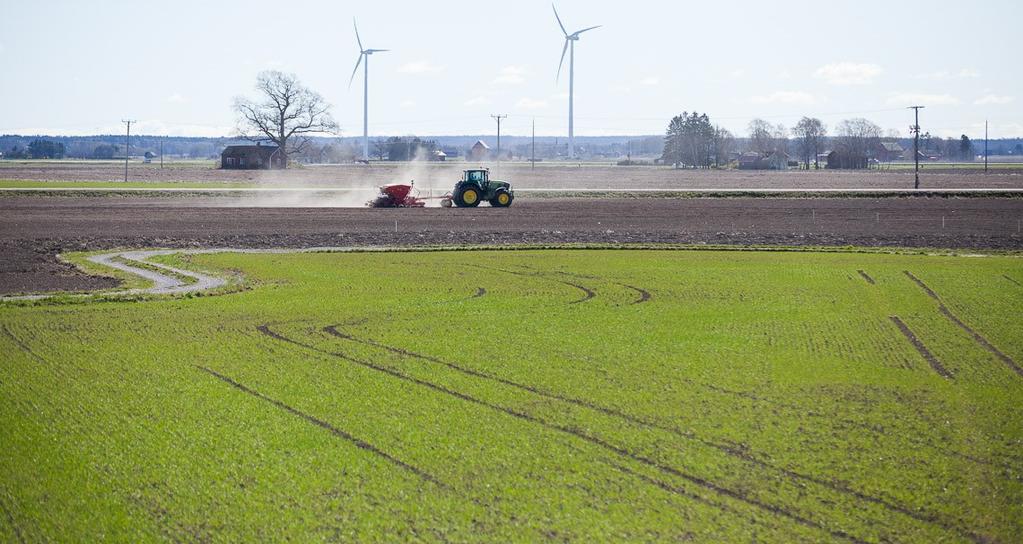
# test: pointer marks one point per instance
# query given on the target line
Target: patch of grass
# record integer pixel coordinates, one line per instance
(585, 395)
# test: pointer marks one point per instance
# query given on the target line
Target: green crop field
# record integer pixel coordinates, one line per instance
(580, 395)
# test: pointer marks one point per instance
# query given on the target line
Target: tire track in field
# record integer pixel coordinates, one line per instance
(955, 319)
(921, 348)
(359, 443)
(587, 292)
(21, 344)
(728, 449)
(866, 277)
(644, 295)
(852, 423)
(621, 451)
(1018, 284)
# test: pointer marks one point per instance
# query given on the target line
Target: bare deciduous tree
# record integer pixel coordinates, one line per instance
(724, 142)
(285, 113)
(761, 137)
(811, 133)
(858, 136)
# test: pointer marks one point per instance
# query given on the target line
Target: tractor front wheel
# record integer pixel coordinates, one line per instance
(467, 196)
(502, 199)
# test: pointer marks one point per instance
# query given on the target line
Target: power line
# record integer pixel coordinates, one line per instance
(498, 118)
(915, 129)
(127, 146)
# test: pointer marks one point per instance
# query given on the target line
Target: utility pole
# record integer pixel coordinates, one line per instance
(161, 151)
(532, 158)
(915, 129)
(498, 118)
(985, 146)
(127, 146)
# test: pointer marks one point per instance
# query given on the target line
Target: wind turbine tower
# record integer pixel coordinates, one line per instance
(363, 53)
(570, 40)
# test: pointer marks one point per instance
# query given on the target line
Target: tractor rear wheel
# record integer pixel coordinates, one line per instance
(467, 196)
(502, 199)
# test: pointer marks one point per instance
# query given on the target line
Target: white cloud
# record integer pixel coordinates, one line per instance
(175, 98)
(530, 104)
(993, 99)
(848, 73)
(785, 97)
(511, 75)
(736, 74)
(477, 101)
(965, 73)
(407, 104)
(918, 99)
(940, 74)
(420, 67)
(650, 81)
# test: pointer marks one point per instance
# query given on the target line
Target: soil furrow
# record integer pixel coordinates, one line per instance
(921, 348)
(969, 330)
(22, 345)
(359, 443)
(704, 483)
(1012, 280)
(866, 277)
(731, 450)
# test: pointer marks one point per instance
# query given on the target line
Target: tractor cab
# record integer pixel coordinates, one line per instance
(480, 176)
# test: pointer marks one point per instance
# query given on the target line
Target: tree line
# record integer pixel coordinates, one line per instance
(692, 141)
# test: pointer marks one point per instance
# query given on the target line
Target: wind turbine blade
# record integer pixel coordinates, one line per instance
(356, 70)
(377, 50)
(562, 63)
(559, 20)
(587, 29)
(357, 38)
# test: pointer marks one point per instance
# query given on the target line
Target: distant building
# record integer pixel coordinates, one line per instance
(251, 157)
(148, 157)
(749, 161)
(752, 160)
(888, 151)
(844, 160)
(439, 155)
(480, 150)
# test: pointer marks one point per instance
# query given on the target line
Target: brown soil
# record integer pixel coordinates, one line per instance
(547, 176)
(34, 229)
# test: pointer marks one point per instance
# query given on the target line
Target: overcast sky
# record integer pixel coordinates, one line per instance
(81, 67)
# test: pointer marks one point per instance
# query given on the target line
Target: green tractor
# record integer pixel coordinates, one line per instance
(475, 187)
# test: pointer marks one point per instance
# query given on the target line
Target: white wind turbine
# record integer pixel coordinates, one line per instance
(570, 40)
(364, 53)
